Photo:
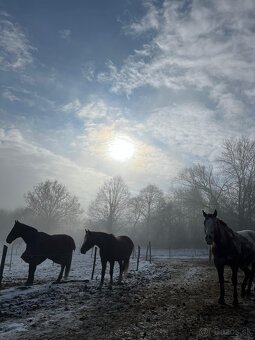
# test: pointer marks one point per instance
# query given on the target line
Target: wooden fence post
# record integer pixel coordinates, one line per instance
(150, 250)
(2, 263)
(138, 258)
(210, 254)
(133, 253)
(94, 263)
(146, 255)
(11, 257)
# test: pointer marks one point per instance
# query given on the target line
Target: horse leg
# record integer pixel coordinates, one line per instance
(111, 274)
(68, 265)
(247, 276)
(234, 282)
(251, 279)
(102, 273)
(31, 274)
(61, 273)
(121, 272)
(220, 269)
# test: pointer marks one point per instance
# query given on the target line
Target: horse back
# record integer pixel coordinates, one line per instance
(55, 244)
(248, 234)
(124, 245)
(117, 248)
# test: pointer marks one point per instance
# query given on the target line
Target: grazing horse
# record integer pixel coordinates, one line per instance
(41, 246)
(229, 248)
(111, 249)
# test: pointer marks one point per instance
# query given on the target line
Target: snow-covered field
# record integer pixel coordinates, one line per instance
(171, 298)
(23, 308)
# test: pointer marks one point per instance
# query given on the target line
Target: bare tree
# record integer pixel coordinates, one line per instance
(203, 179)
(135, 212)
(110, 204)
(238, 164)
(52, 202)
(152, 200)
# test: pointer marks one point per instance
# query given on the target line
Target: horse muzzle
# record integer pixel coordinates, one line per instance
(8, 240)
(209, 240)
(83, 251)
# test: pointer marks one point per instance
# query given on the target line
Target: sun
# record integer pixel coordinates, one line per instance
(121, 149)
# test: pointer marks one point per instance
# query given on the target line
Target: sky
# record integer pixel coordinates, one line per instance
(164, 82)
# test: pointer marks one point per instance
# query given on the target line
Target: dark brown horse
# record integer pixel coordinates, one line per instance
(111, 249)
(41, 246)
(229, 248)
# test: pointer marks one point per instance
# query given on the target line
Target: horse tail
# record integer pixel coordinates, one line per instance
(125, 266)
(68, 265)
(73, 245)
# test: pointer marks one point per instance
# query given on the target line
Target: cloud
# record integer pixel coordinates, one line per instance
(195, 46)
(15, 49)
(88, 70)
(25, 163)
(72, 106)
(150, 21)
(8, 94)
(94, 109)
(160, 166)
(64, 33)
(189, 132)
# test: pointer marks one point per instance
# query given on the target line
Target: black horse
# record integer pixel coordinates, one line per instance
(111, 249)
(229, 248)
(41, 246)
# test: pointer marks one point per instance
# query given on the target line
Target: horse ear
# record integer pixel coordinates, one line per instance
(215, 213)
(204, 213)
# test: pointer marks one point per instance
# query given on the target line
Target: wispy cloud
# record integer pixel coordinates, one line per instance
(64, 33)
(94, 109)
(22, 158)
(195, 45)
(16, 52)
(88, 70)
(8, 94)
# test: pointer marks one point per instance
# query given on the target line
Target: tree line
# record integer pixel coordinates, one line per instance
(169, 219)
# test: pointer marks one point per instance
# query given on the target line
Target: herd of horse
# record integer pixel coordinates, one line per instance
(235, 249)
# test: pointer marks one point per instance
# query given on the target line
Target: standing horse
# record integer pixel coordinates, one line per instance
(111, 249)
(229, 248)
(41, 246)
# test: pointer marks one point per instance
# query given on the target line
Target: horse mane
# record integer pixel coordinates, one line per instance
(226, 227)
(28, 226)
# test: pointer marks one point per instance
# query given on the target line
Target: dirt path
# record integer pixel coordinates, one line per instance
(178, 300)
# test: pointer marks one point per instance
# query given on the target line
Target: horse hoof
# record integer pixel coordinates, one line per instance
(55, 282)
(110, 287)
(29, 284)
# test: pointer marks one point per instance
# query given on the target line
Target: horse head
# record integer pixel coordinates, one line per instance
(210, 226)
(88, 242)
(14, 233)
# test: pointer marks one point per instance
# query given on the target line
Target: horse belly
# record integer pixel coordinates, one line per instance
(29, 257)
(60, 259)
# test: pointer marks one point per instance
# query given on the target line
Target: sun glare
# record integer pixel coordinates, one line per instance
(121, 149)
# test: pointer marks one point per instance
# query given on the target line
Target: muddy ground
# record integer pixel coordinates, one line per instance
(178, 300)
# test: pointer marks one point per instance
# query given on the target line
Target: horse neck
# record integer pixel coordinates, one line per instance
(101, 239)
(28, 234)
(223, 234)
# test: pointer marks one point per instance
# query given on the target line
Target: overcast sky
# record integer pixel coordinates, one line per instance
(173, 78)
